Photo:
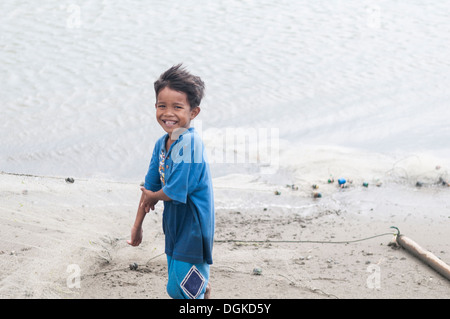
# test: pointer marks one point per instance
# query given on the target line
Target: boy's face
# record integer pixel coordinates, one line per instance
(173, 111)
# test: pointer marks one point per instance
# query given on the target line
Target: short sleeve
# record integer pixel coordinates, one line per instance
(152, 179)
(177, 185)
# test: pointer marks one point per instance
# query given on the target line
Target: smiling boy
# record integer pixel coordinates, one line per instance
(179, 175)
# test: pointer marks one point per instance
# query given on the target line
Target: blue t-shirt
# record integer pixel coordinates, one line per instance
(183, 174)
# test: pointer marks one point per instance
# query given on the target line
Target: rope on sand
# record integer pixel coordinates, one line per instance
(298, 241)
(134, 267)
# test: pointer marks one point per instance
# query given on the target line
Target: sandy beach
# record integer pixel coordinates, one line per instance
(68, 240)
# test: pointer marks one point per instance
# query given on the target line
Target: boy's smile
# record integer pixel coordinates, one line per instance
(173, 110)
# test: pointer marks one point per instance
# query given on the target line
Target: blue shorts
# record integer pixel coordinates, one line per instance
(186, 281)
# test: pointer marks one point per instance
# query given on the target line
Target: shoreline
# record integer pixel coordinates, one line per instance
(68, 240)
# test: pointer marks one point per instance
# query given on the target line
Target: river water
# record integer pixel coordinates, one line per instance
(308, 89)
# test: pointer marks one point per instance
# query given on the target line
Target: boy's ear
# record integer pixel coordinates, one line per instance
(194, 112)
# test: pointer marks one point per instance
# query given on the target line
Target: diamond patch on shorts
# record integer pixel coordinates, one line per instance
(193, 283)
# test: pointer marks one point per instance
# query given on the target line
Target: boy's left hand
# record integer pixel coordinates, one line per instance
(148, 202)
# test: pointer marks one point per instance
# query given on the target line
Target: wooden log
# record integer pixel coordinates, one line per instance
(424, 255)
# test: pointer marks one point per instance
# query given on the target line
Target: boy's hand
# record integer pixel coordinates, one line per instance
(136, 236)
(148, 201)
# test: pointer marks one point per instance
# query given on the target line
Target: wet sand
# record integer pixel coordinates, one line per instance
(68, 240)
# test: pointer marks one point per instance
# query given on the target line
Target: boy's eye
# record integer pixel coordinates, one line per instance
(161, 105)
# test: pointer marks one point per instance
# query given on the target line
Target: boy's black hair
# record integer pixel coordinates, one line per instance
(178, 79)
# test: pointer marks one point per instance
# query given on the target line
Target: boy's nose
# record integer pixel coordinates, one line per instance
(168, 110)
(168, 113)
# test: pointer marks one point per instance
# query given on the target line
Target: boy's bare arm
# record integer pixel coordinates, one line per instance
(148, 201)
(136, 230)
